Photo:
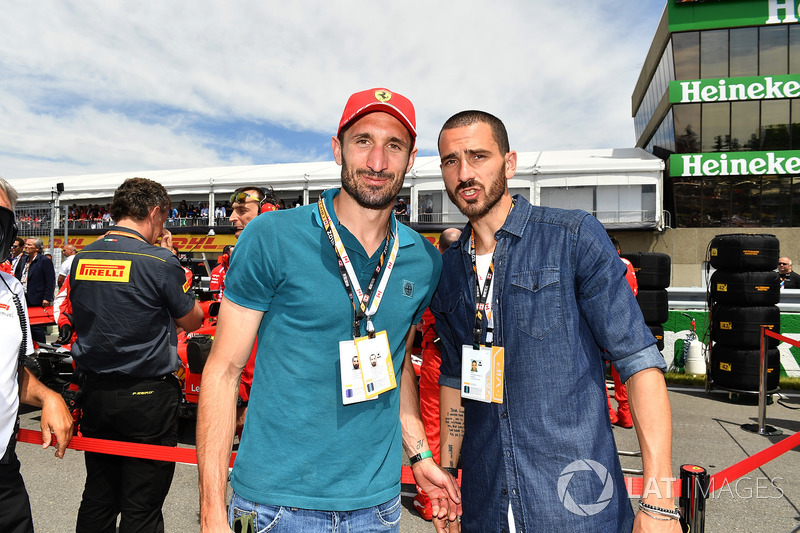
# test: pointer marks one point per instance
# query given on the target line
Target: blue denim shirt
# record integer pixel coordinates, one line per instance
(560, 297)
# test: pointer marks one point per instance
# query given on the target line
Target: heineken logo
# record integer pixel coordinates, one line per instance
(685, 15)
(735, 163)
(732, 89)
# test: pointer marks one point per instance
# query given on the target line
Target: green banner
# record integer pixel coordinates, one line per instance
(733, 89)
(735, 163)
(685, 15)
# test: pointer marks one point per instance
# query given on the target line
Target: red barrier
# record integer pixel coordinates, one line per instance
(769, 333)
(634, 485)
(734, 472)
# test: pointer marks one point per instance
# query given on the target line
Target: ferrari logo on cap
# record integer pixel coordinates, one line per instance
(383, 96)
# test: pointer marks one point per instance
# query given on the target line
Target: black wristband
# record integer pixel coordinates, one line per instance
(450, 470)
(419, 457)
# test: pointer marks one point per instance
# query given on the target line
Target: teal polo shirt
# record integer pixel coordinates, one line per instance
(301, 447)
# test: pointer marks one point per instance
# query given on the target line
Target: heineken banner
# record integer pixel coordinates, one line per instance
(733, 89)
(735, 163)
(685, 15)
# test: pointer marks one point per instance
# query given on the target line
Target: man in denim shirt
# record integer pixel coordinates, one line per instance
(544, 459)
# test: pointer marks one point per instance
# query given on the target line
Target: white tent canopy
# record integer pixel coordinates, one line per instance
(616, 178)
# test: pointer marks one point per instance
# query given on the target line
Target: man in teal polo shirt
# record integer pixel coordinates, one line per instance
(321, 285)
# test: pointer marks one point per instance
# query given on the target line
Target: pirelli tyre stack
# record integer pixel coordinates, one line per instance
(653, 273)
(744, 291)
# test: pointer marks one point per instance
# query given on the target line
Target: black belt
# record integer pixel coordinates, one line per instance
(118, 378)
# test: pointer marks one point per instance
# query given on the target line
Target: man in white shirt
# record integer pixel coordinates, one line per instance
(68, 252)
(17, 385)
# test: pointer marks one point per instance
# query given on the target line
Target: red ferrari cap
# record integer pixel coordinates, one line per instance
(384, 100)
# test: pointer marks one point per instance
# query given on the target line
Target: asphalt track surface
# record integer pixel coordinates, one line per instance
(706, 432)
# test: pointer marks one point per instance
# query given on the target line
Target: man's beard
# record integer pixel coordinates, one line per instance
(369, 196)
(475, 208)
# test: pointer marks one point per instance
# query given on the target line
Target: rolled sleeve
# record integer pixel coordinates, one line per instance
(649, 357)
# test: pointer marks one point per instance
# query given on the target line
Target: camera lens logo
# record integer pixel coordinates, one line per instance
(585, 509)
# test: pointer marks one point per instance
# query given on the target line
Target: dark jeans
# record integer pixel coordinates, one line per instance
(132, 410)
(39, 333)
(15, 508)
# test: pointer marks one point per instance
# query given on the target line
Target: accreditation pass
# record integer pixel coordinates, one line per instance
(367, 368)
(482, 373)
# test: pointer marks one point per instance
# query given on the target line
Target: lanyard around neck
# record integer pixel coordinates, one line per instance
(350, 280)
(481, 296)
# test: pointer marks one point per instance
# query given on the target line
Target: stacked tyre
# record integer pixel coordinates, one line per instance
(744, 292)
(653, 273)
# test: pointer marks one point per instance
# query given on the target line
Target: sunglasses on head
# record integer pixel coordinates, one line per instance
(240, 198)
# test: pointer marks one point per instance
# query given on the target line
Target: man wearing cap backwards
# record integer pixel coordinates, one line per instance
(320, 284)
(545, 289)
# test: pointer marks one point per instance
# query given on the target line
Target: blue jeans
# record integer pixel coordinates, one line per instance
(269, 518)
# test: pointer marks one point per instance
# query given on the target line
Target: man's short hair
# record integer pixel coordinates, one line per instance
(136, 197)
(20, 242)
(10, 192)
(470, 117)
(37, 242)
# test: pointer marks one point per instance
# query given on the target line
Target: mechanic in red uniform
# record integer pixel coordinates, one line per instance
(217, 282)
(622, 416)
(429, 382)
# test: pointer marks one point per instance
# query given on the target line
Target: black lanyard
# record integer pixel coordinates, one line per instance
(481, 296)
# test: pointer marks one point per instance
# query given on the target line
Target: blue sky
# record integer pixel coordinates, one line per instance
(110, 86)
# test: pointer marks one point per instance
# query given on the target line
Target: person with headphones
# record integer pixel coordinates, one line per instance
(247, 203)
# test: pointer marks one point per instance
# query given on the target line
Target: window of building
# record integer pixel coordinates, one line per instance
(686, 52)
(714, 54)
(744, 52)
(775, 125)
(744, 125)
(794, 130)
(794, 48)
(773, 51)
(687, 128)
(715, 125)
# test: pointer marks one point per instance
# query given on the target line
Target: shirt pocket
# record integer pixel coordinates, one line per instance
(536, 299)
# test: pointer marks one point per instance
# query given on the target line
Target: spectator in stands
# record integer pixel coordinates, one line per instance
(68, 253)
(219, 212)
(789, 279)
(400, 208)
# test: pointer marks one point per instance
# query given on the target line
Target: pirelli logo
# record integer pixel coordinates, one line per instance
(104, 270)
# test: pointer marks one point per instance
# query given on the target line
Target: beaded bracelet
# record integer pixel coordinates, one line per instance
(673, 514)
(665, 519)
